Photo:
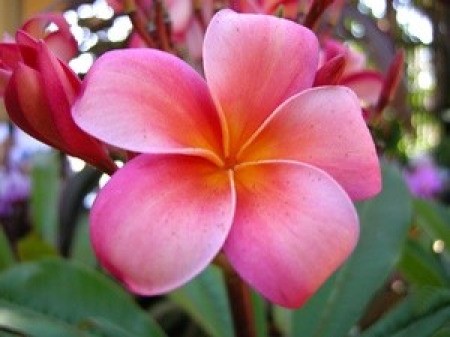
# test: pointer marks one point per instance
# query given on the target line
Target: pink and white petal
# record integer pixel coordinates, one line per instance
(58, 38)
(64, 47)
(161, 219)
(323, 127)
(144, 100)
(194, 39)
(37, 25)
(294, 226)
(180, 13)
(367, 85)
(252, 64)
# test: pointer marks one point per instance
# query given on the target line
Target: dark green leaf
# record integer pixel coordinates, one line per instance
(32, 247)
(6, 255)
(434, 219)
(72, 294)
(421, 314)
(384, 224)
(81, 245)
(44, 195)
(420, 267)
(33, 324)
(205, 300)
(260, 314)
(305, 320)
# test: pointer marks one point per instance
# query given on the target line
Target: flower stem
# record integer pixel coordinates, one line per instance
(240, 301)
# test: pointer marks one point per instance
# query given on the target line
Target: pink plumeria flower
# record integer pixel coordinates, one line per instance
(355, 59)
(38, 89)
(251, 161)
(57, 37)
(366, 83)
(343, 65)
(54, 30)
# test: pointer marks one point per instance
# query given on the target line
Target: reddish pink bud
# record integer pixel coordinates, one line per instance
(316, 10)
(331, 72)
(392, 80)
(38, 91)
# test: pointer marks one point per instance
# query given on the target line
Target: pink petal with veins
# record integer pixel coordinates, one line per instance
(323, 127)
(367, 85)
(294, 226)
(180, 13)
(58, 38)
(251, 71)
(161, 219)
(157, 104)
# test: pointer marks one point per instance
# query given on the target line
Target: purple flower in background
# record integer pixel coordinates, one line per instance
(424, 180)
(14, 188)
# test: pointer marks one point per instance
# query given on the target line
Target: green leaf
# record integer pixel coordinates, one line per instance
(421, 314)
(259, 306)
(32, 247)
(384, 224)
(81, 246)
(206, 301)
(443, 332)
(434, 219)
(72, 294)
(44, 195)
(305, 320)
(33, 324)
(420, 267)
(6, 255)
(283, 320)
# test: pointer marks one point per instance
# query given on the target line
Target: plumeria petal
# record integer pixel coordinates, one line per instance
(30, 111)
(323, 127)
(38, 99)
(156, 104)
(366, 84)
(61, 86)
(180, 13)
(331, 71)
(57, 37)
(294, 226)
(252, 64)
(5, 75)
(65, 50)
(155, 232)
(9, 55)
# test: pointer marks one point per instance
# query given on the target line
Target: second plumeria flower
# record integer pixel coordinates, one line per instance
(251, 161)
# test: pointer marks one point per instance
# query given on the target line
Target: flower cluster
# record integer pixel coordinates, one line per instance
(257, 157)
